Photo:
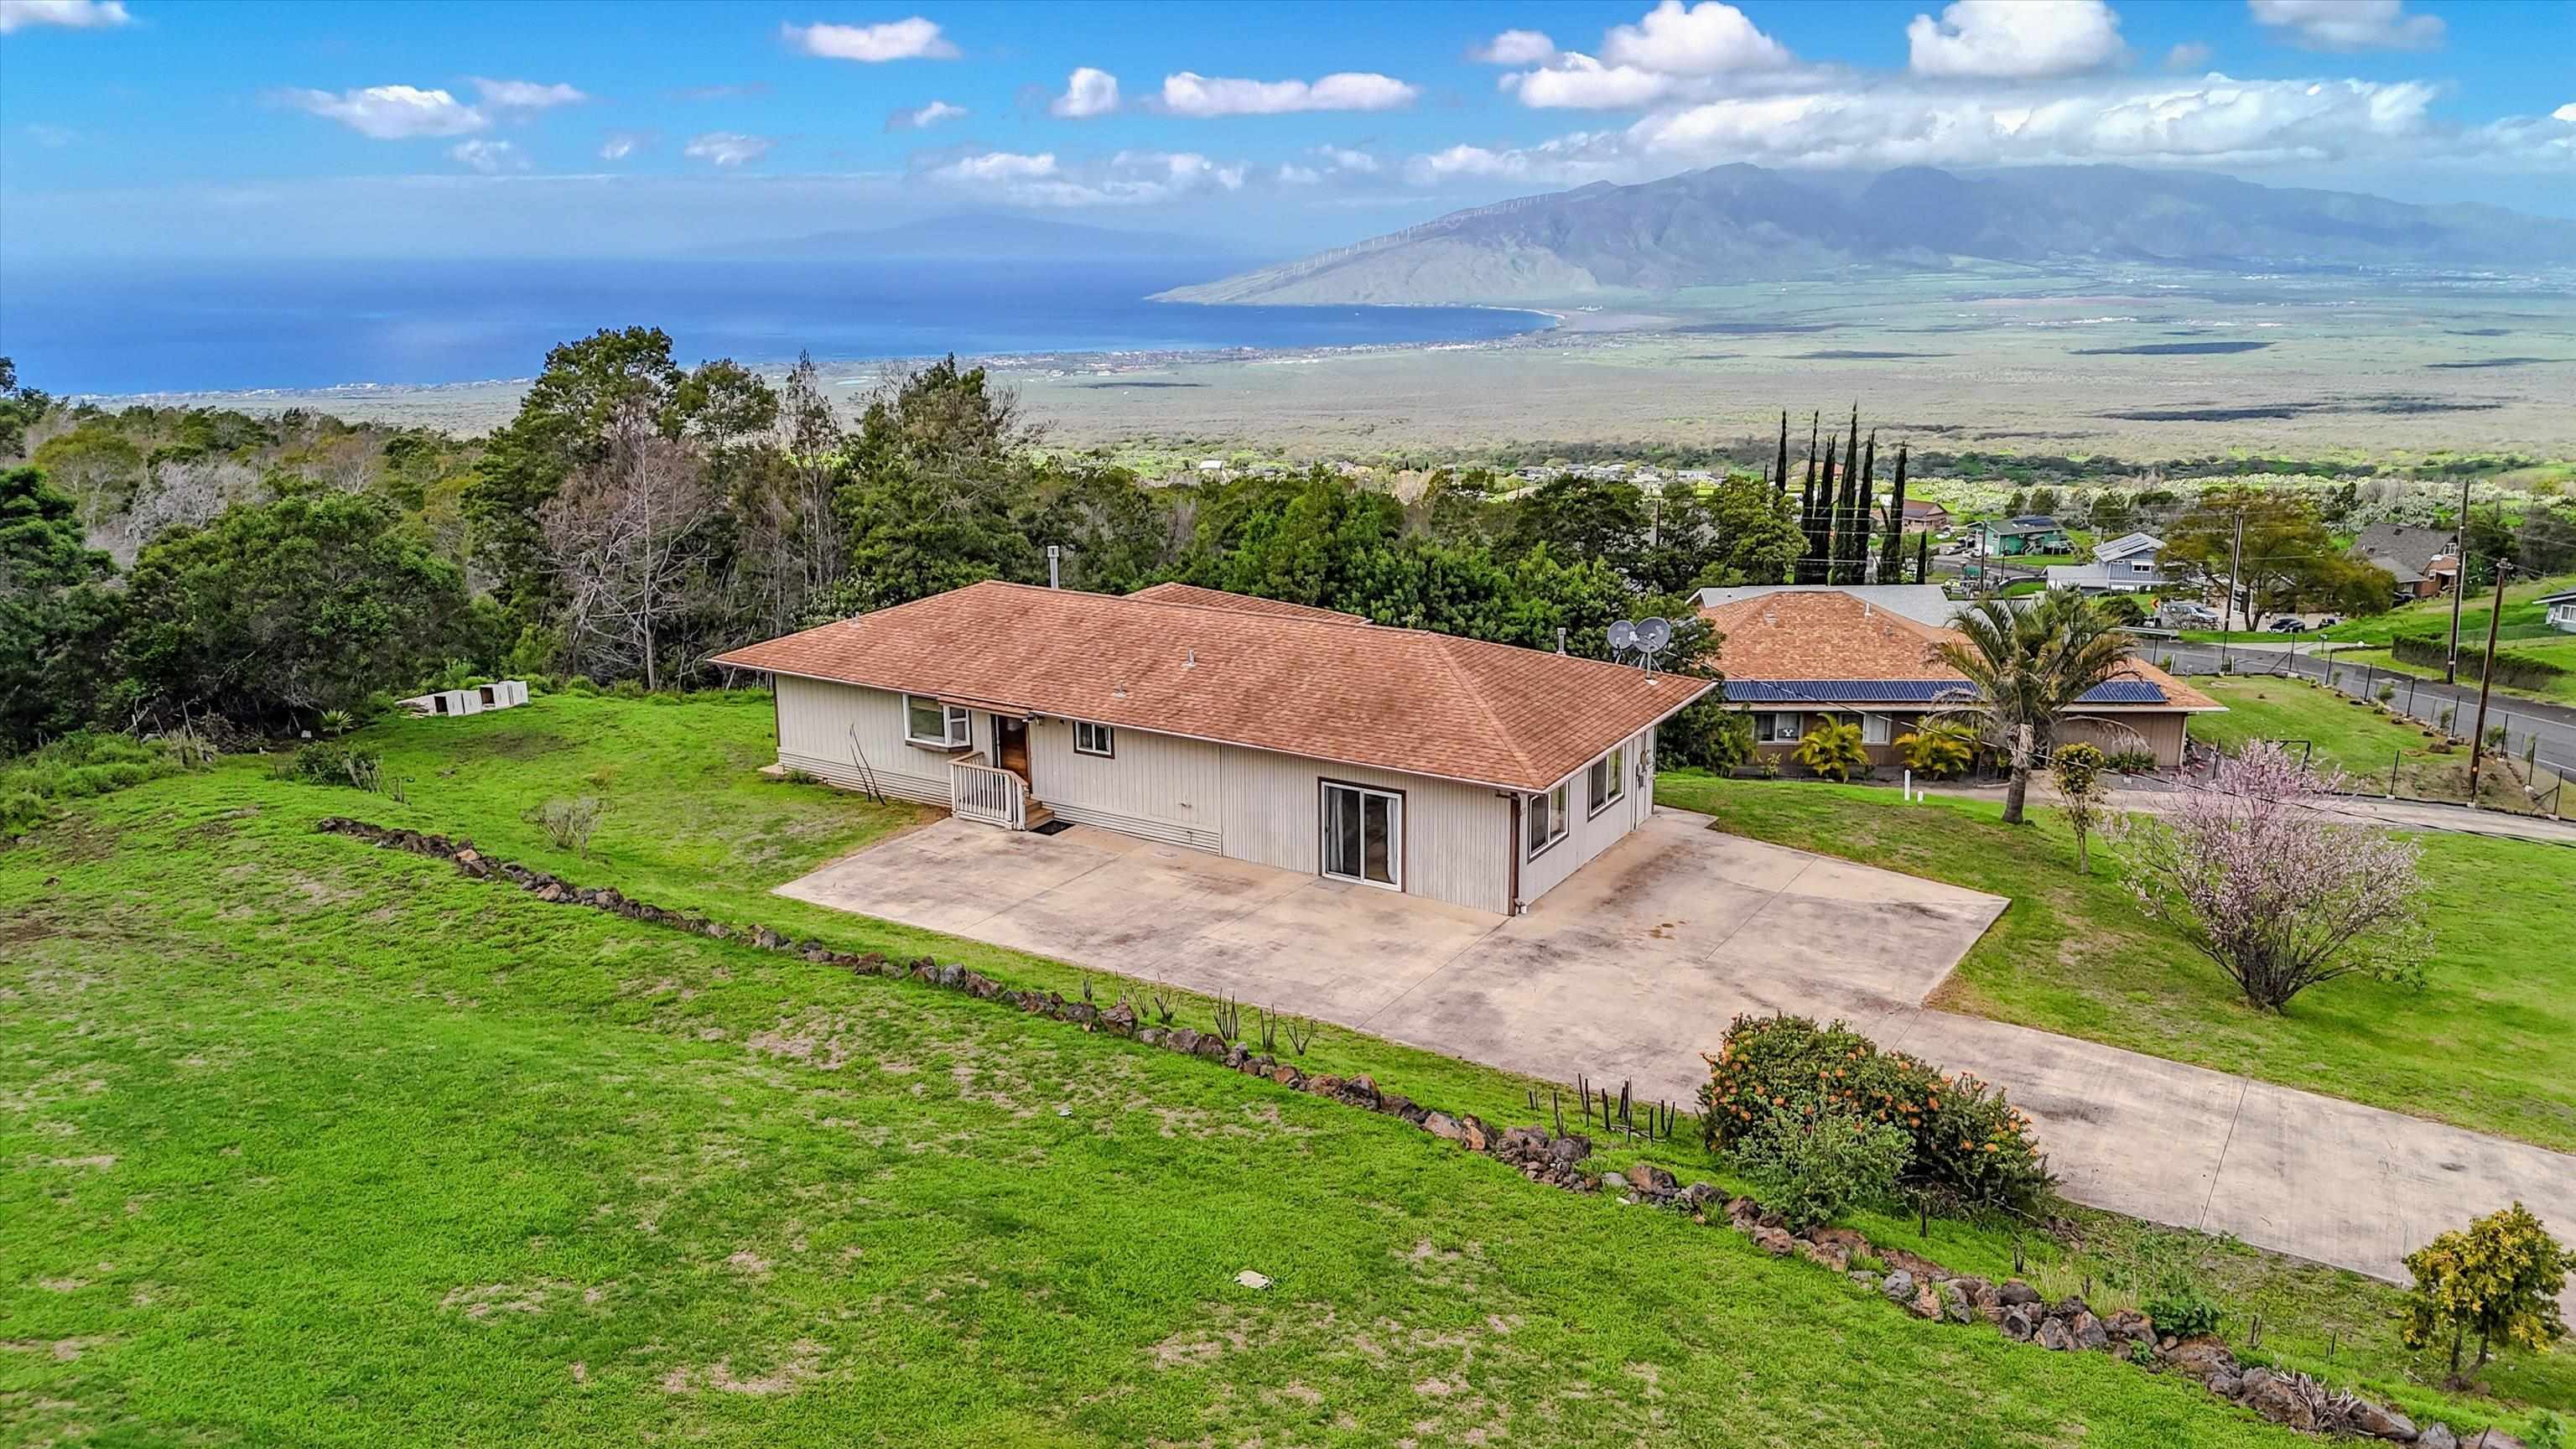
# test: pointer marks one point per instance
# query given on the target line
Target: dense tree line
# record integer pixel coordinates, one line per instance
(637, 517)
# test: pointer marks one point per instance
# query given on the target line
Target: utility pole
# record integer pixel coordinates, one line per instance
(2486, 681)
(2235, 566)
(2459, 582)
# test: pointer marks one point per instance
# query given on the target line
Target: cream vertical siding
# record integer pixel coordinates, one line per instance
(2112, 731)
(826, 729)
(1456, 836)
(1589, 834)
(1161, 787)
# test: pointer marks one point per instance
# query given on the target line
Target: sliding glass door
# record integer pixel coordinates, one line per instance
(1364, 835)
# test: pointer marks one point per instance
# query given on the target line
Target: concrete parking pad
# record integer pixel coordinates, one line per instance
(1635, 965)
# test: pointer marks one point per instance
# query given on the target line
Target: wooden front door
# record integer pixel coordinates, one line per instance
(1011, 745)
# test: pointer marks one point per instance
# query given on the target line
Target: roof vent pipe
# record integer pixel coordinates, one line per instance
(1190, 659)
(1560, 638)
(1055, 575)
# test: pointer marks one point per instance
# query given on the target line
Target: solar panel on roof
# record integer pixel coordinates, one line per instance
(1911, 691)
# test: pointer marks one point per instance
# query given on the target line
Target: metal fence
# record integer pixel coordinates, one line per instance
(2540, 742)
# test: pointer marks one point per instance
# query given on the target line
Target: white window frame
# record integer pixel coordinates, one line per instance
(958, 719)
(1104, 739)
(1558, 825)
(1610, 767)
(1394, 833)
(1774, 735)
(1875, 727)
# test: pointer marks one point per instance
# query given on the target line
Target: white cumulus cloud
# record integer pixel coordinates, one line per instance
(1188, 93)
(618, 145)
(1129, 178)
(1578, 82)
(909, 39)
(918, 118)
(69, 14)
(519, 95)
(1515, 47)
(1292, 174)
(1344, 158)
(391, 113)
(489, 157)
(1087, 92)
(2190, 55)
(2348, 24)
(2017, 39)
(727, 148)
(1710, 38)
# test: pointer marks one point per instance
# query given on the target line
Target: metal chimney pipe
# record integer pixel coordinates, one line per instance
(1055, 574)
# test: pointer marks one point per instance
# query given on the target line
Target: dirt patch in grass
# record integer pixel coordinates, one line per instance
(801, 1364)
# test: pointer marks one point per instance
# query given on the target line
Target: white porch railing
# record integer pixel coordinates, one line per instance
(978, 791)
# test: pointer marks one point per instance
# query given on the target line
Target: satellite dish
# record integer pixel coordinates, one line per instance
(1623, 635)
(1654, 634)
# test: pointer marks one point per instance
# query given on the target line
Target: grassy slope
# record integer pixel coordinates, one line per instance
(289, 1110)
(2357, 739)
(2491, 1045)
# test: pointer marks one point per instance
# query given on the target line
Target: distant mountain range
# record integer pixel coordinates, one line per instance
(984, 235)
(1745, 223)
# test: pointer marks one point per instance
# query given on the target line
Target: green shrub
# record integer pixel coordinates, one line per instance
(2180, 1308)
(1833, 750)
(327, 763)
(1967, 1142)
(1810, 1169)
(627, 689)
(1940, 750)
(81, 765)
(2130, 762)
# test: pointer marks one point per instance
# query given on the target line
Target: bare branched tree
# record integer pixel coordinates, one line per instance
(626, 536)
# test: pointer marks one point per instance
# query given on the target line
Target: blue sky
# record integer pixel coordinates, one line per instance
(144, 127)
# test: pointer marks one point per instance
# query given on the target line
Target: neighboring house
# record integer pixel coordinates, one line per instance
(2422, 560)
(2124, 565)
(1477, 774)
(1922, 515)
(2562, 610)
(1923, 603)
(2014, 537)
(1793, 658)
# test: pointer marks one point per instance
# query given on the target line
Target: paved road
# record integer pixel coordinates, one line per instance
(2553, 726)
(2156, 793)
(1636, 964)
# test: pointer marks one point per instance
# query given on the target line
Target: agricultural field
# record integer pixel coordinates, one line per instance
(320, 1144)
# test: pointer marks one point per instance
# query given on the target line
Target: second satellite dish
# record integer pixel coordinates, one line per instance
(1623, 636)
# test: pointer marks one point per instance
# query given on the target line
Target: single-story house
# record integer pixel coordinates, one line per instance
(1922, 515)
(2014, 537)
(1923, 603)
(2124, 565)
(1792, 659)
(2423, 560)
(2561, 609)
(1473, 773)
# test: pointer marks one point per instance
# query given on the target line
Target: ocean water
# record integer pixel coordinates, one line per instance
(171, 328)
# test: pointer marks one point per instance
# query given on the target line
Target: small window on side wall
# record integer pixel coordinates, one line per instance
(928, 722)
(1546, 819)
(1608, 783)
(1094, 739)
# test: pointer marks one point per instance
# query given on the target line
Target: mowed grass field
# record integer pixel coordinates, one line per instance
(2489, 1044)
(312, 1144)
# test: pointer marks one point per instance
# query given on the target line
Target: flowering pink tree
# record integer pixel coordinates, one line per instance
(2268, 885)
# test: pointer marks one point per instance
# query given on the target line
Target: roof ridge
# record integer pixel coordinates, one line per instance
(1475, 694)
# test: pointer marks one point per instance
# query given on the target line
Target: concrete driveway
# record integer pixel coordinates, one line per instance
(1627, 971)
(1634, 966)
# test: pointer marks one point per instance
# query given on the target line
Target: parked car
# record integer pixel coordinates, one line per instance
(2186, 616)
(2287, 626)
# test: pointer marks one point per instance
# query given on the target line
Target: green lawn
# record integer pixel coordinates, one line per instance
(318, 1144)
(2362, 741)
(2431, 618)
(2555, 647)
(2490, 1044)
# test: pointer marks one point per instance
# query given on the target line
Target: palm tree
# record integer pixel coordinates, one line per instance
(2026, 667)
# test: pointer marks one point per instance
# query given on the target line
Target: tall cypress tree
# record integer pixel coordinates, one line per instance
(1781, 475)
(1818, 565)
(1923, 557)
(1891, 559)
(1852, 548)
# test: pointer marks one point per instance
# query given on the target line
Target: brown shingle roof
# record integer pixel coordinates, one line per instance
(1395, 699)
(1177, 593)
(1793, 636)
